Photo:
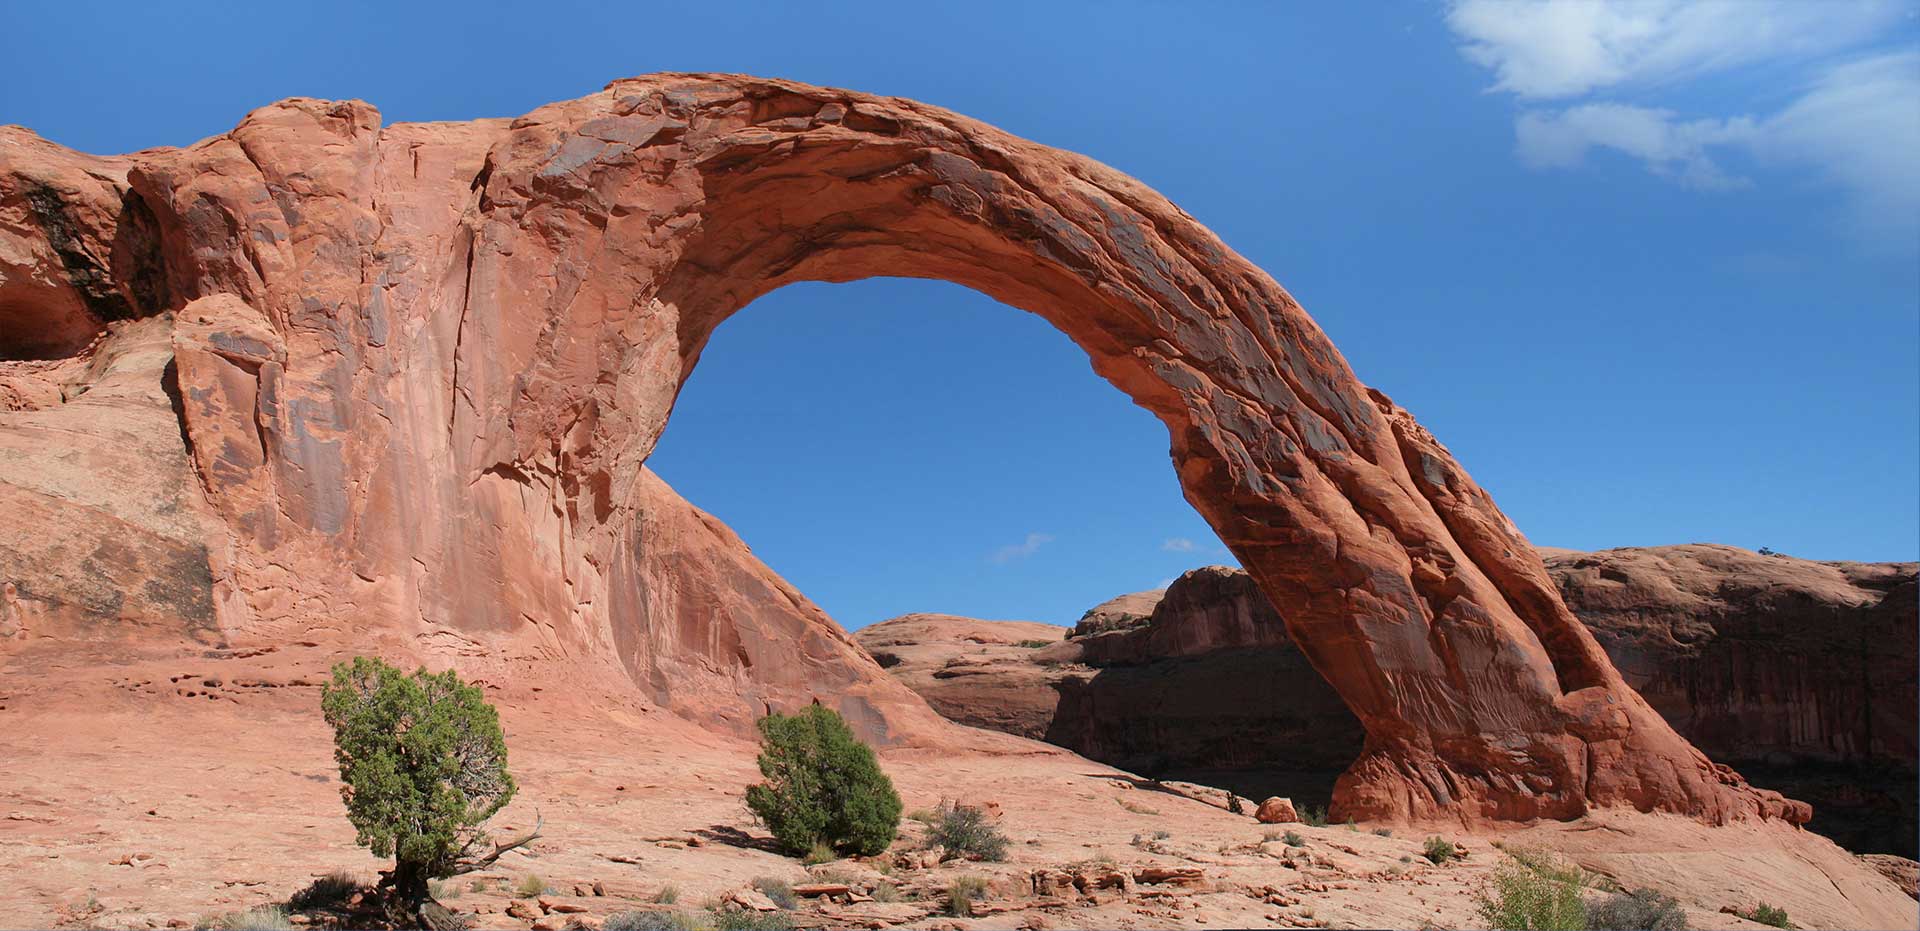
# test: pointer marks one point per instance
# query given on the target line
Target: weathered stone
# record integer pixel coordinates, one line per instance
(1276, 810)
(461, 341)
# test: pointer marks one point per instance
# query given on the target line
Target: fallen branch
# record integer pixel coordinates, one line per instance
(468, 864)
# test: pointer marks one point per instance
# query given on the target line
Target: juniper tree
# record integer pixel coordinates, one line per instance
(422, 765)
(822, 786)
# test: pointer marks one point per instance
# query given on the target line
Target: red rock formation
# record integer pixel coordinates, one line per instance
(424, 364)
(1799, 671)
(977, 673)
(1751, 655)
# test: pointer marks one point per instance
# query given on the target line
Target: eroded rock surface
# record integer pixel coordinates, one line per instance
(1796, 669)
(421, 366)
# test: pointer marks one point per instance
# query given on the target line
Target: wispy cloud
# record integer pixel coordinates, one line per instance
(1552, 49)
(1672, 149)
(1177, 545)
(1021, 550)
(1851, 116)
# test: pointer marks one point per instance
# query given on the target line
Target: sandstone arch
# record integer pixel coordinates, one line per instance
(431, 360)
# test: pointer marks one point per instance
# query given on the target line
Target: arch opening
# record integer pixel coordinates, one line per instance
(777, 403)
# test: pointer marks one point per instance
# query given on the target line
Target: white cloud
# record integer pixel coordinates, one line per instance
(1854, 125)
(1860, 122)
(1020, 550)
(1566, 48)
(1178, 545)
(1671, 148)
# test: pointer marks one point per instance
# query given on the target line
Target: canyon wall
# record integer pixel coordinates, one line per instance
(1798, 670)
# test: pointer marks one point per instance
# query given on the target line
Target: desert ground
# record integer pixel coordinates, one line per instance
(157, 789)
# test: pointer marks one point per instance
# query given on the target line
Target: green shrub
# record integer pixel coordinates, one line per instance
(1529, 895)
(1234, 805)
(1383, 832)
(776, 890)
(1035, 644)
(1314, 817)
(643, 920)
(530, 886)
(965, 832)
(1293, 839)
(1640, 910)
(962, 893)
(327, 891)
(1438, 850)
(739, 919)
(822, 786)
(885, 892)
(422, 765)
(1546, 864)
(1768, 915)
(819, 853)
(264, 918)
(667, 895)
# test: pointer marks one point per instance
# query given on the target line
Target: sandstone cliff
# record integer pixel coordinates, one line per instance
(1800, 670)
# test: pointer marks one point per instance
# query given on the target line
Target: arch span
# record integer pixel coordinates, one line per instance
(444, 351)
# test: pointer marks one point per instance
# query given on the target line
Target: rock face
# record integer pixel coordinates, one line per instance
(421, 365)
(1800, 673)
(976, 673)
(1799, 670)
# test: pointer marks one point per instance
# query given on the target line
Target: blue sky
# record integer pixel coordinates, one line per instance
(1652, 271)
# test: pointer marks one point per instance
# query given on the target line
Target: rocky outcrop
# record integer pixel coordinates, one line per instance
(977, 673)
(1800, 673)
(1759, 657)
(1200, 683)
(421, 366)
(1797, 669)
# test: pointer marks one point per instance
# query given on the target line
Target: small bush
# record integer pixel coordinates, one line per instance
(1640, 910)
(1234, 806)
(443, 890)
(1768, 915)
(264, 918)
(1293, 839)
(1036, 644)
(962, 893)
(642, 920)
(1438, 850)
(885, 892)
(823, 786)
(668, 895)
(923, 815)
(1383, 832)
(965, 832)
(530, 886)
(776, 890)
(1533, 894)
(739, 919)
(819, 853)
(1314, 817)
(327, 891)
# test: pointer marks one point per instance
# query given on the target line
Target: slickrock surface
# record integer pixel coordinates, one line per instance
(419, 368)
(1800, 670)
(146, 787)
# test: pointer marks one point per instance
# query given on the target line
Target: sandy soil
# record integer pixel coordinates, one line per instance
(155, 789)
